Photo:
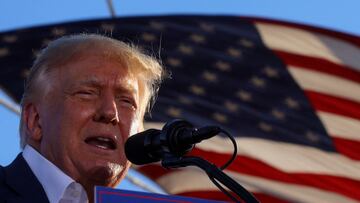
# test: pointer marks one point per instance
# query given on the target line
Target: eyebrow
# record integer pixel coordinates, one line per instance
(90, 81)
(95, 82)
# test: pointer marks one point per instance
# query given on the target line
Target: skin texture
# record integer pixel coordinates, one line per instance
(88, 97)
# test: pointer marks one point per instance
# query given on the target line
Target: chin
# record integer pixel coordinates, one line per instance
(109, 174)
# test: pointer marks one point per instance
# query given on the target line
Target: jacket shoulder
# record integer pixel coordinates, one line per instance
(1, 174)
(18, 184)
(2, 180)
(5, 190)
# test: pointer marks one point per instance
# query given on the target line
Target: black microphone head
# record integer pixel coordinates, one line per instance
(136, 149)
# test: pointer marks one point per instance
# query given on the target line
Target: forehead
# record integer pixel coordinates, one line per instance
(94, 69)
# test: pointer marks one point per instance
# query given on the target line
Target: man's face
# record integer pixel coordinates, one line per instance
(89, 112)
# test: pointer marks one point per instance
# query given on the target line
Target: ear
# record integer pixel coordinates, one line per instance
(32, 122)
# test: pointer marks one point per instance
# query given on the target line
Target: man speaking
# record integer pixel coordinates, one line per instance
(84, 96)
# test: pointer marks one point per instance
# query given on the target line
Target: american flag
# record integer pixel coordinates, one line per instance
(289, 93)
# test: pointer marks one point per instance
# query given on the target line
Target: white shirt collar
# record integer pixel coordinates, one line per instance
(57, 185)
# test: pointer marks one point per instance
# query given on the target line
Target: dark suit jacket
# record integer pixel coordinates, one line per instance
(18, 184)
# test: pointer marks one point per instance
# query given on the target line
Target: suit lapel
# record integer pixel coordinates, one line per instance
(21, 179)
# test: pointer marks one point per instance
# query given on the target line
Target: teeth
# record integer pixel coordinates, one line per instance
(104, 139)
(101, 142)
(102, 147)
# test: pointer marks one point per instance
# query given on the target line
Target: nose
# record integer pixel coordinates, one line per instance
(107, 111)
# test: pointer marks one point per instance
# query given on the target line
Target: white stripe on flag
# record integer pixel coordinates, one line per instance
(178, 182)
(340, 126)
(326, 83)
(291, 158)
(298, 41)
(287, 157)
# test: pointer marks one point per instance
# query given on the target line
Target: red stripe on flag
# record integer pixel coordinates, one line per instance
(154, 171)
(218, 195)
(246, 165)
(318, 64)
(332, 104)
(209, 194)
(347, 147)
(267, 198)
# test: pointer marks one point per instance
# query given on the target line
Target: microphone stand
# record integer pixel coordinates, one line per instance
(214, 173)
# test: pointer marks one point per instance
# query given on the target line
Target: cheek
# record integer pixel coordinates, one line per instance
(71, 120)
(77, 112)
(130, 122)
(134, 128)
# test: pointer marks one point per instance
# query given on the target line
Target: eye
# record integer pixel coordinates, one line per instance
(86, 94)
(127, 102)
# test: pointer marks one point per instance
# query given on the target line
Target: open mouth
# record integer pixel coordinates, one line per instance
(102, 142)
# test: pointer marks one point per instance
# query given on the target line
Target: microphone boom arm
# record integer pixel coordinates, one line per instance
(213, 172)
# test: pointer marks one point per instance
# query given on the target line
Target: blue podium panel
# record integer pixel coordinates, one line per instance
(111, 195)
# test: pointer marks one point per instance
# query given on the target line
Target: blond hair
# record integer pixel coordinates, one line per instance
(65, 49)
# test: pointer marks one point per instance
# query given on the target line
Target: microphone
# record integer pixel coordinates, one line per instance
(176, 138)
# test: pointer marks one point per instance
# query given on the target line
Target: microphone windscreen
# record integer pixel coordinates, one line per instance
(136, 147)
